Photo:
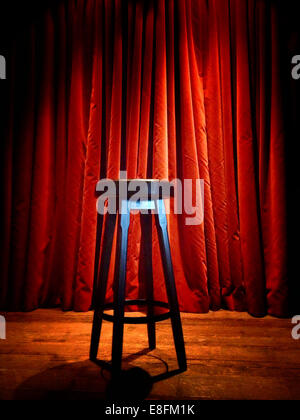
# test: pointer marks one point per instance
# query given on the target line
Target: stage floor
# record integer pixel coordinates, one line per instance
(230, 356)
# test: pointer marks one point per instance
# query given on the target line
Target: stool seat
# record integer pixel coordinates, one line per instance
(150, 193)
(147, 188)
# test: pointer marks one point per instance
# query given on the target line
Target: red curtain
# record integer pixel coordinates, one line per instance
(164, 89)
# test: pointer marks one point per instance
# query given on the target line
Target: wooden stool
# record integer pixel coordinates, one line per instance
(153, 199)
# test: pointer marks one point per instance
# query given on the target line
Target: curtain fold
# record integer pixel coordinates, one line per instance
(182, 89)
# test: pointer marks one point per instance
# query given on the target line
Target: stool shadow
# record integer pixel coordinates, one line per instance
(70, 381)
(134, 383)
(83, 381)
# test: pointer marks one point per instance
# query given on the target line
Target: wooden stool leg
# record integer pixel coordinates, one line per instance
(146, 225)
(161, 220)
(100, 224)
(101, 282)
(120, 281)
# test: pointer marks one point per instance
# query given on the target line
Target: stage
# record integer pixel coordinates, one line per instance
(230, 356)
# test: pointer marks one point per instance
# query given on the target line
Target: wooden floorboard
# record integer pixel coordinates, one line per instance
(230, 356)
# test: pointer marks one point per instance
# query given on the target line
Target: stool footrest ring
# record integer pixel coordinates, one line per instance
(140, 319)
